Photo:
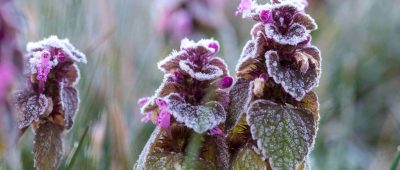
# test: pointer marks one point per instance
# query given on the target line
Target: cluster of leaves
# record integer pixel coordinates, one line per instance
(49, 100)
(273, 113)
(191, 100)
(181, 18)
(10, 65)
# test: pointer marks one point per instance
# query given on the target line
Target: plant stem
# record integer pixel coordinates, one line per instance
(395, 163)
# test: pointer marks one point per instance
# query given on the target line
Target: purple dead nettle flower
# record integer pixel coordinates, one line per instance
(181, 18)
(282, 40)
(192, 90)
(191, 101)
(50, 100)
(273, 113)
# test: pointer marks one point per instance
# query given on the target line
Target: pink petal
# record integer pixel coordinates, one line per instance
(143, 101)
(164, 119)
(147, 117)
(217, 131)
(161, 103)
(225, 82)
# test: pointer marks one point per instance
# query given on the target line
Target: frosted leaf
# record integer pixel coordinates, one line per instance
(30, 106)
(248, 158)
(166, 88)
(70, 103)
(250, 60)
(305, 20)
(284, 133)
(207, 72)
(72, 74)
(55, 42)
(259, 27)
(171, 62)
(155, 154)
(293, 36)
(240, 96)
(310, 101)
(210, 44)
(200, 118)
(293, 81)
(216, 150)
(48, 146)
(220, 63)
(204, 51)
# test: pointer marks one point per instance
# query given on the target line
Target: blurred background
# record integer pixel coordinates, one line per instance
(359, 91)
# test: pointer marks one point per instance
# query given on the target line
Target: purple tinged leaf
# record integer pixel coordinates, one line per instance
(70, 103)
(200, 118)
(30, 106)
(293, 81)
(207, 72)
(71, 73)
(218, 62)
(48, 146)
(240, 96)
(305, 20)
(221, 96)
(285, 134)
(295, 34)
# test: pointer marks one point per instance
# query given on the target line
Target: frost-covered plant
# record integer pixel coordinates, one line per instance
(273, 114)
(177, 19)
(50, 99)
(10, 66)
(191, 100)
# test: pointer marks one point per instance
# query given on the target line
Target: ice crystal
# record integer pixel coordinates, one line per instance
(284, 134)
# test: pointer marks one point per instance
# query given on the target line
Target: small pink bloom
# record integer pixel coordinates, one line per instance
(215, 46)
(162, 104)
(217, 131)
(266, 16)
(147, 117)
(164, 119)
(143, 101)
(225, 82)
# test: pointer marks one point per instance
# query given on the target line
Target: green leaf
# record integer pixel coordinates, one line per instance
(248, 157)
(157, 154)
(48, 146)
(285, 134)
